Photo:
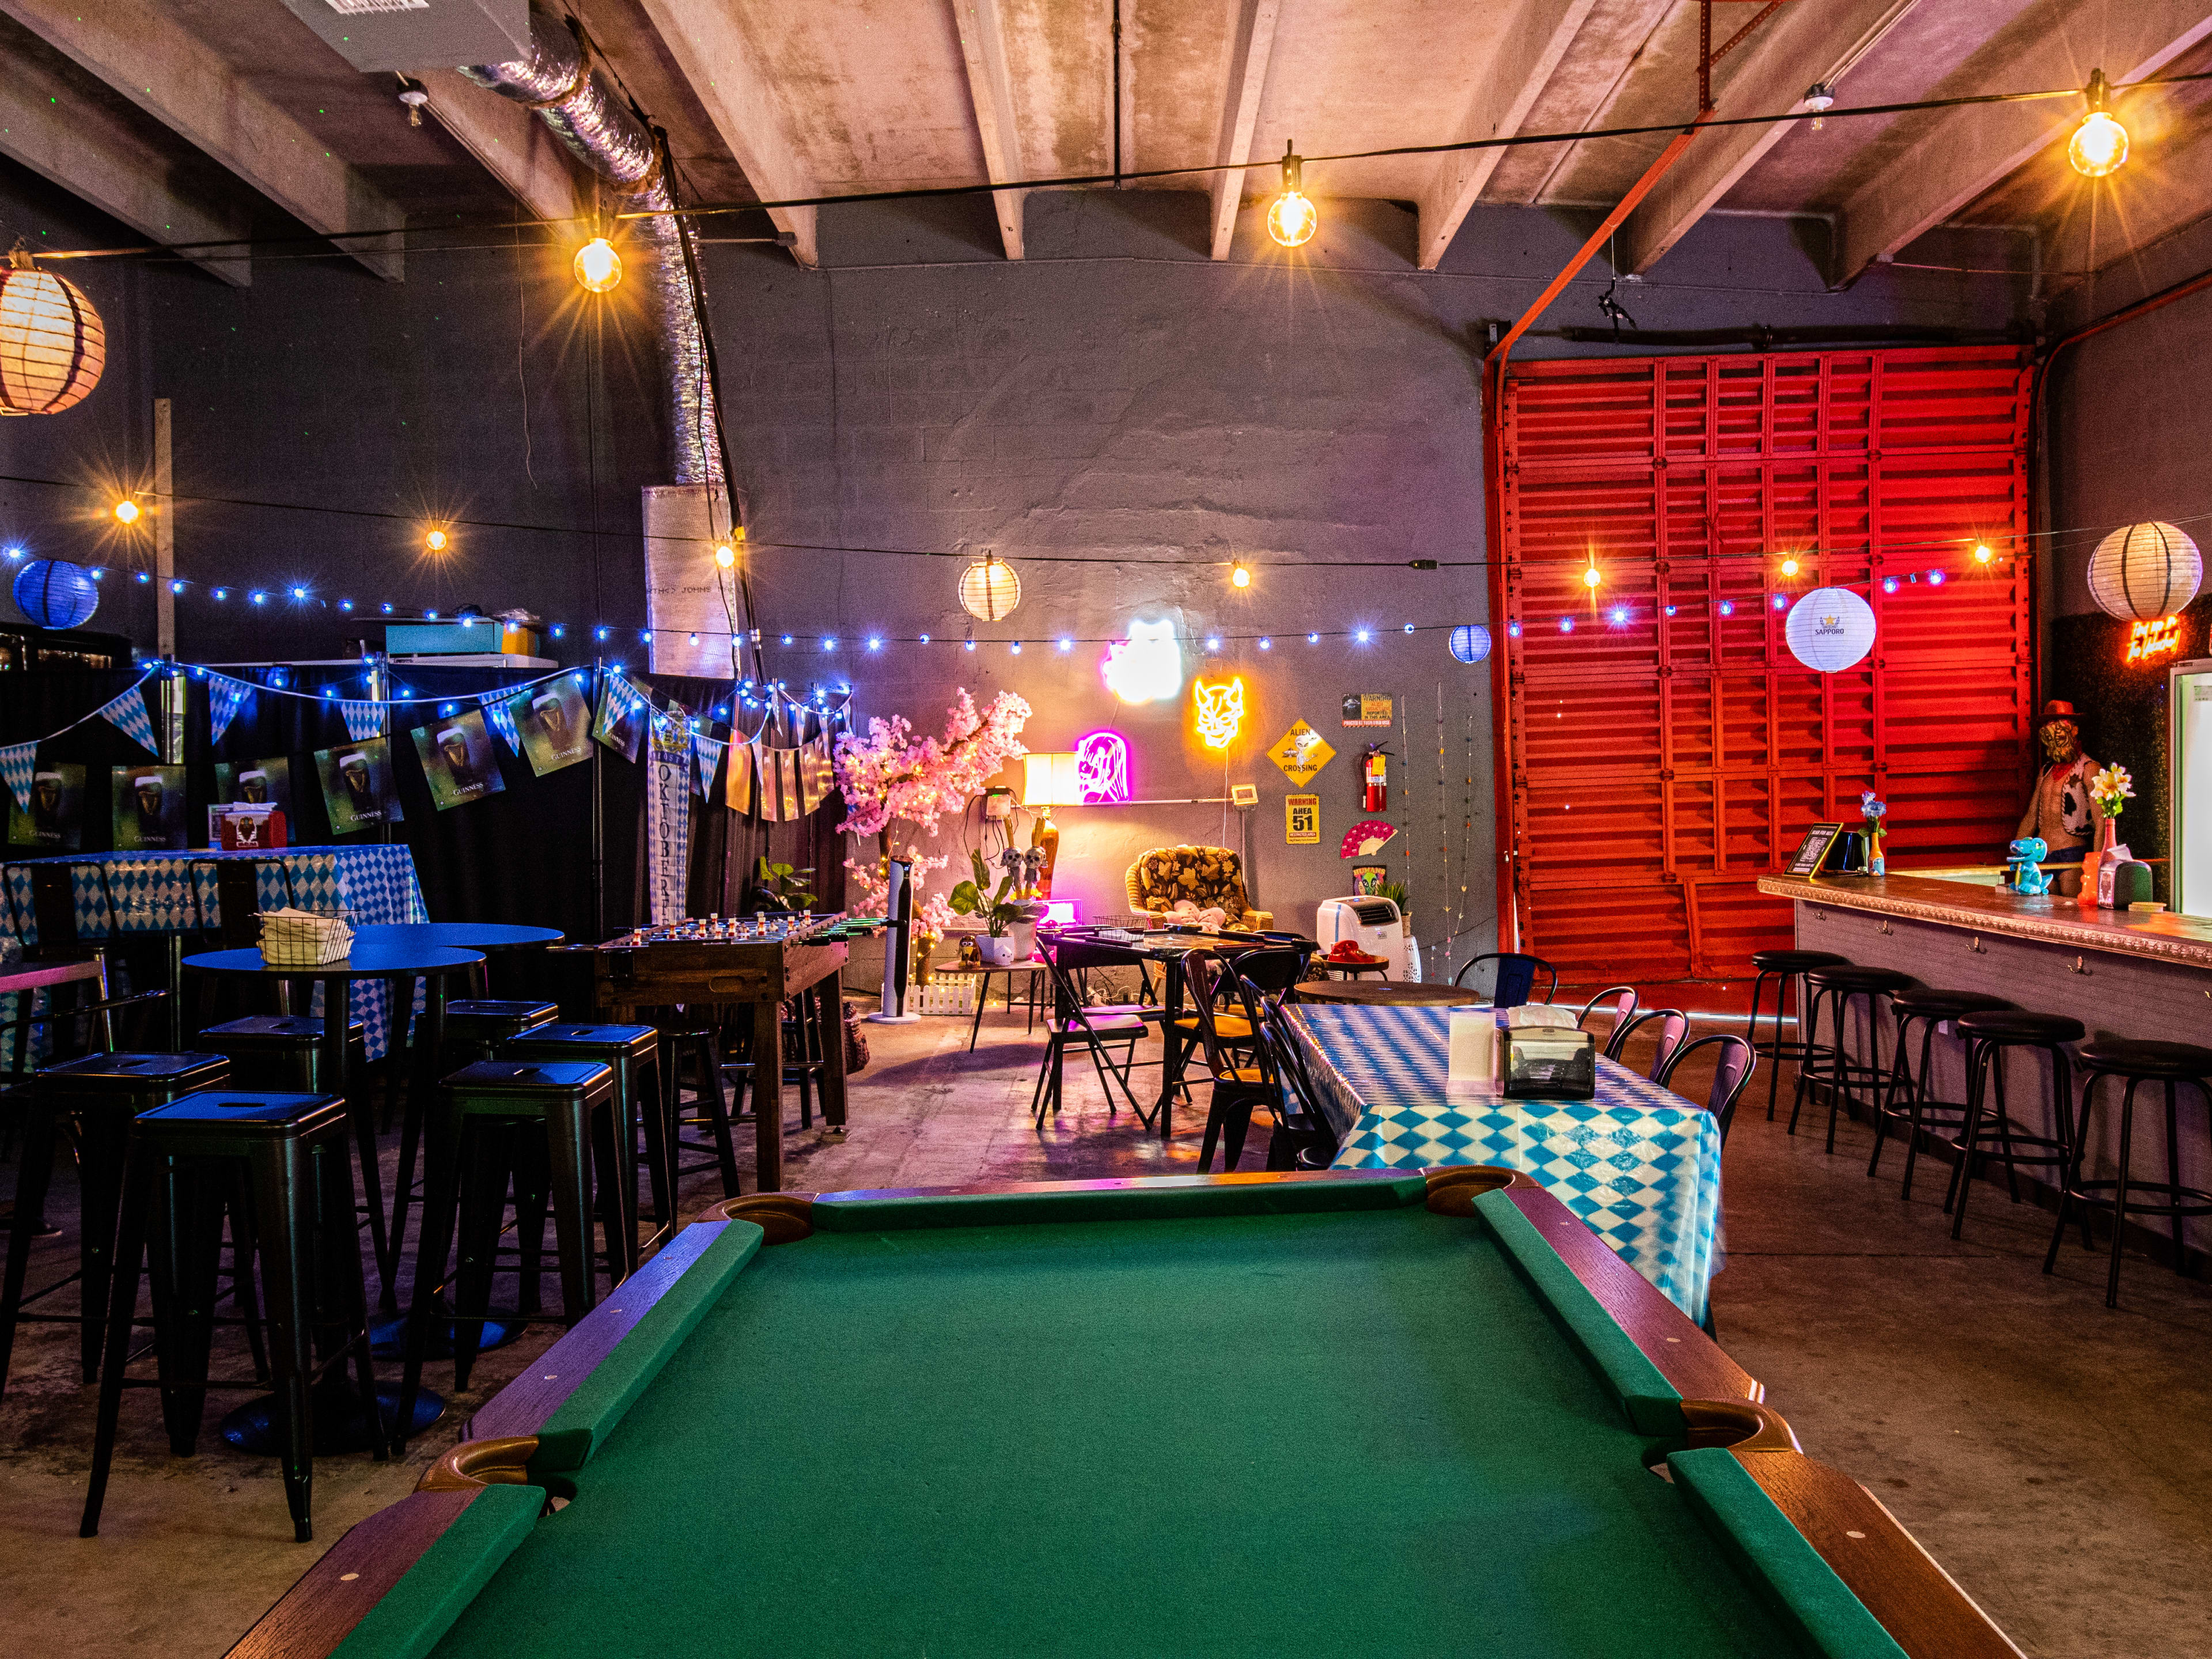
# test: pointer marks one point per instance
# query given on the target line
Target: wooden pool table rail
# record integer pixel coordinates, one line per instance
(1923, 1610)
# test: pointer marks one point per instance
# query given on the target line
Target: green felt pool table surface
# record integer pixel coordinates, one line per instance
(1303, 1416)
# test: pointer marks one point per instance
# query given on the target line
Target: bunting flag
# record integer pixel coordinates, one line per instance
(769, 807)
(18, 761)
(502, 720)
(786, 774)
(127, 714)
(708, 753)
(813, 758)
(363, 720)
(738, 784)
(226, 696)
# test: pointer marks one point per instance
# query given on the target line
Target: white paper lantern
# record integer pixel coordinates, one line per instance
(2142, 572)
(52, 346)
(1830, 629)
(989, 589)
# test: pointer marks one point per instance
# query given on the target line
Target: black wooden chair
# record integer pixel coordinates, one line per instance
(1515, 981)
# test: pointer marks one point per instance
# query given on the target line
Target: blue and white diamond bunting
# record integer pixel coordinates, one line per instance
(363, 720)
(127, 714)
(226, 696)
(500, 719)
(18, 761)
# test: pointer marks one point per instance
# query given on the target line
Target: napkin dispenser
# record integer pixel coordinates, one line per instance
(1544, 1063)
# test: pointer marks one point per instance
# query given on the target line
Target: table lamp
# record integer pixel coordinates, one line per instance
(1049, 779)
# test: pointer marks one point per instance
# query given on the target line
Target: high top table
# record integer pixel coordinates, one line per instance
(490, 937)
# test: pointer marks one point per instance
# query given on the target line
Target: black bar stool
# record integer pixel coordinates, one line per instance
(1931, 1009)
(481, 1138)
(95, 1097)
(1989, 1036)
(1836, 987)
(291, 1150)
(2139, 1063)
(1786, 968)
(696, 1033)
(634, 1051)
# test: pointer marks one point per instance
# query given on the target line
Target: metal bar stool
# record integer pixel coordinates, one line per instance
(94, 1096)
(633, 1053)
(1837, 988)
(2139, 1063)
(1989, 1036)
(291, 1150)
(697, 1032)
(547, 1122)
(1931, 1009)
(1785, 968)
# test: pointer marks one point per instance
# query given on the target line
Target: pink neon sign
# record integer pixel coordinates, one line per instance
(1102, 768)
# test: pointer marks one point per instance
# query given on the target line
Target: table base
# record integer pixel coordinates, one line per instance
(389, 1339)
(341, 1425)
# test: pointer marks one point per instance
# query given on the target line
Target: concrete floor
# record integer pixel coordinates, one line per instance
(2052, 1453)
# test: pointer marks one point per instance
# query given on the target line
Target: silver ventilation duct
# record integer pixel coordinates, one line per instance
(557, 81)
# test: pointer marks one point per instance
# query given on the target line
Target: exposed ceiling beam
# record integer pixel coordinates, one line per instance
(98, 155)
(1798, 47)
(1530, 45)
(161, 66)
(983, 46)
(1252, 42)
(509, 142)
(1964, 153)
(738, 94)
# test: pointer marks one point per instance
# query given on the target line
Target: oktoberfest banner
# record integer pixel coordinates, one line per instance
(127, 714)
(363, 720)
(18, 762)
(738, 782)
(668, 817)
(708, 753)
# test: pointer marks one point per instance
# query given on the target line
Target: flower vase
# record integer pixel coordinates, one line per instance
(1876, 863)
(2100, 868)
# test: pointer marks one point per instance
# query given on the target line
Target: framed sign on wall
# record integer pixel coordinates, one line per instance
(1302, 820)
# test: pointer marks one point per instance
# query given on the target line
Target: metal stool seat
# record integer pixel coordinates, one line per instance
(1932, 1008)
(291, 1150)
(97, 1096)
(634, 1051)
(485, 1022)
(480, 1140)
(1835, 987)
(1988, 1034)
(2139, 1061)
(1785, 968)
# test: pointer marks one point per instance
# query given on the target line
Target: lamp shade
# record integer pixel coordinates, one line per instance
(2142, 572)
(52, 345)
(1830, 629)
(989, 589)
(1470, 642)
(54, 594)
(1051, 780)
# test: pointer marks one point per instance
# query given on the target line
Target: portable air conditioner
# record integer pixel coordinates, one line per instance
(1373, 924)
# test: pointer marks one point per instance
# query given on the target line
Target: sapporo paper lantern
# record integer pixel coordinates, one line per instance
(54, 594)
(1470, 642)
(1830, 629)
(2142, 572)
(52, 346)
(989, 589)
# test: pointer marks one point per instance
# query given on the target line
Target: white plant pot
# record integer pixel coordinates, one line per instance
(997, 952)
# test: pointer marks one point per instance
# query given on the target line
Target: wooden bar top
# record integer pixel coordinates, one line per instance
(2159, 936)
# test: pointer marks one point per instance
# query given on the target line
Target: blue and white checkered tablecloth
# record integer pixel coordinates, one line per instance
(156, 893)
(1639, 1163)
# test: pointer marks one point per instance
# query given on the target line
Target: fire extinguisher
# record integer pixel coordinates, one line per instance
(1375, 795)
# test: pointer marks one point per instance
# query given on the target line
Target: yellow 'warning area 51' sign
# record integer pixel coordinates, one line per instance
(1302, 820)
(1301, 752)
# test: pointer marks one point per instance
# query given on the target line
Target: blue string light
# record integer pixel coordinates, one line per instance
(1409, 628)
(1267, 644)
(1067, 645)
(222, 593)
(1313, 639)
(1362, 637)
(1566, 624)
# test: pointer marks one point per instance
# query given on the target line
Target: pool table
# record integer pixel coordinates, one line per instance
(1345, 1412)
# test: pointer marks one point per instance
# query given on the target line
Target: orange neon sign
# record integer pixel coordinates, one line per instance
(2159, 638)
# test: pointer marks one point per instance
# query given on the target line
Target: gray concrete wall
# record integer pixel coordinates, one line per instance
(1117, 397)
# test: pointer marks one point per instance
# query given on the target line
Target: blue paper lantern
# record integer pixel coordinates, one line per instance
(1470, 642)
(55, 593)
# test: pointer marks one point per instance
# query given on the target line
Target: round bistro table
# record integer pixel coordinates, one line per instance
(490, 938)
(375, 955)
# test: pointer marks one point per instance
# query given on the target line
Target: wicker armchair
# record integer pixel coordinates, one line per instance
(1207, 876)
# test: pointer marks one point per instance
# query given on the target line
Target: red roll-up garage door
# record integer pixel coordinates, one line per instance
(1664, 748)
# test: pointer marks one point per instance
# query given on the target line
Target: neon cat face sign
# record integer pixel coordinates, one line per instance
(1147, 666)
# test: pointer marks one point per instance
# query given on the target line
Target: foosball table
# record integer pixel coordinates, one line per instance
(749, 963)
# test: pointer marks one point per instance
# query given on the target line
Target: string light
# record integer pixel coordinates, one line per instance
(1591, 575)
(222, 593)
(1981, 553)
(1789, 566)
(1267, 644)
(1239, 576)
(597, 266)
(126, 511)
(1066, 644)
(2099, 143)
(1313, 639)
(436, 540)
(726, 555)
(1291, 219)
(1566, 624)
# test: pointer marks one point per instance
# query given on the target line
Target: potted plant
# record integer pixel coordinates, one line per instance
(786, 885)
(1004, 916)
(1396, 893)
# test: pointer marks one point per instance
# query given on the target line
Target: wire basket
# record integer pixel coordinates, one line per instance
(305, 938)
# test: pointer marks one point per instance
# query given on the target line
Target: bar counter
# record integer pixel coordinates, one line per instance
(2120, 973)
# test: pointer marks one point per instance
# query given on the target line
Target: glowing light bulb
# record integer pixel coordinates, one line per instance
(436, 540)
(1292, 218)
(2099, 143)
(1789, 566)
(726, 555)
(1239, 576)
(1591, 577)
(1982, 553)
(126, 511)
(597, 266)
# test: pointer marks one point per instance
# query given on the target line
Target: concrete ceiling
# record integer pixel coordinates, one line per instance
(194, 119)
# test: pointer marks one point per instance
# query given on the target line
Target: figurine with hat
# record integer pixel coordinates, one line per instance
(2062, 813)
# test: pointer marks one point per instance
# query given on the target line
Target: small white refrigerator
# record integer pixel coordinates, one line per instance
(2188, 719)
